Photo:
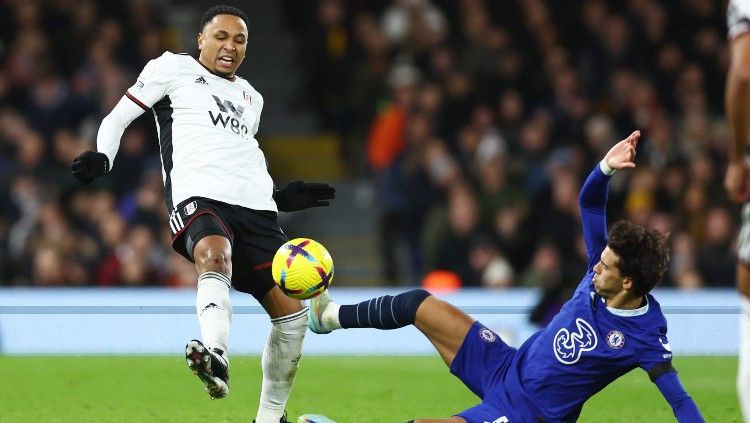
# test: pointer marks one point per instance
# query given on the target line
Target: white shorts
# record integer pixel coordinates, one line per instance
(738, 18)
(743, 241)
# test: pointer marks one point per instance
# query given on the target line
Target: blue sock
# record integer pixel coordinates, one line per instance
(386, 312)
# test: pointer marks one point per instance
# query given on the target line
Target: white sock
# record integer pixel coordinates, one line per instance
(214, 309)
(280, 362)
(743, 373)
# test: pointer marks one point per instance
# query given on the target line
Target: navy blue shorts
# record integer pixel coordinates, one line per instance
(489, 367)
(481, 364)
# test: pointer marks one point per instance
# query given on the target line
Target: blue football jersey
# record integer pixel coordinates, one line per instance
(588, 345)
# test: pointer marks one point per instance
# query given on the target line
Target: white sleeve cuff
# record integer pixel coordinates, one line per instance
(606, 169)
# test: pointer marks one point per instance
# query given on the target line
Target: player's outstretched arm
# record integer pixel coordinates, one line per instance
(683, 406)
(298, 195)
(593, 196)
(92, 164)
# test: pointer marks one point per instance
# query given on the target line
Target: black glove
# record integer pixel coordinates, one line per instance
(298, 195)
(89, 165)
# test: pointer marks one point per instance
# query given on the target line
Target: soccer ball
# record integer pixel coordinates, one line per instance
(302, 268)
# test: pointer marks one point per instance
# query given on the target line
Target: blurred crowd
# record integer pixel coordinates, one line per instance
(64, 65)
(477, 120)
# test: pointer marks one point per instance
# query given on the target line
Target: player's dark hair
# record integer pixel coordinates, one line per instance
(643, 254)
(222, 9)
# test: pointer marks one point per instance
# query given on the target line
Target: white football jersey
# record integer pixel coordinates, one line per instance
(738, 17)
(207, 126)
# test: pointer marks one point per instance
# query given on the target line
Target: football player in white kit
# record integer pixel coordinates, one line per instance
(223, 203)
(737, 177)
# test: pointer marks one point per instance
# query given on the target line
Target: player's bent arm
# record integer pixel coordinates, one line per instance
(113, 126)
(737, 97)
(666, 379)
(593, 203)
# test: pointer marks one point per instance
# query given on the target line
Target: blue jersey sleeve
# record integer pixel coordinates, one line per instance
(593, 203)
(683, 406)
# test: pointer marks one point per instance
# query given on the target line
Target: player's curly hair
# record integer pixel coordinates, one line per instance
(643, 254)
(222, 9)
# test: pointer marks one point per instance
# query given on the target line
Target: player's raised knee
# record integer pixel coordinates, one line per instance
(213, 253)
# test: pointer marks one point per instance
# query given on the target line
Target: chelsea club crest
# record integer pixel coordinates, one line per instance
(615, 339)
(487, 335)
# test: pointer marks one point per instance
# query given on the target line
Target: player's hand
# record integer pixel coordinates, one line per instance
(736, 181)
(622, 154)
(89, 165)
(298, 195)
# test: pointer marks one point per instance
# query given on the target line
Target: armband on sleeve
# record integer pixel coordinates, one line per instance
(660, 369)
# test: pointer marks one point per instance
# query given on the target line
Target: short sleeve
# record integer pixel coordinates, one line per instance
(154, 81)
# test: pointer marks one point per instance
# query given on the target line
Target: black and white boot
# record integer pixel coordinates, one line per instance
(210, 366)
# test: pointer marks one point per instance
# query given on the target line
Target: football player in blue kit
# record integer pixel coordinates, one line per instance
(609, 327)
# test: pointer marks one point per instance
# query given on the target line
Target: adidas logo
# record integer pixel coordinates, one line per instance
(201, 80)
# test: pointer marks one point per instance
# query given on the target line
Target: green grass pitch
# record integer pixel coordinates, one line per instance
(347, 389)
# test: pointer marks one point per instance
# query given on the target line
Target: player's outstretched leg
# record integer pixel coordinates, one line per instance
(210, 366)
(386, 312)
(442, 323)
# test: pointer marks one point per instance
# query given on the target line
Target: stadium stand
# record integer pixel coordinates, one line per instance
(475, 122)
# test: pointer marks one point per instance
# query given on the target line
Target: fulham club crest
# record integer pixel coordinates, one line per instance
(247, 97)
(615, 339)
(190, 208)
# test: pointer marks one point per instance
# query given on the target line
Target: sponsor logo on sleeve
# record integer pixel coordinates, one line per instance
(665, 344)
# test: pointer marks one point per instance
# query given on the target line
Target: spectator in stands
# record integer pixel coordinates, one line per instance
(522, 81)
(464, 226)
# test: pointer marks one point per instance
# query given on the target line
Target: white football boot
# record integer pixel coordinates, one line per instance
(315, 318)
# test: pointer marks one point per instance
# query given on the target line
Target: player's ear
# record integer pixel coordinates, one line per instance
(627, 283)
(200, 41)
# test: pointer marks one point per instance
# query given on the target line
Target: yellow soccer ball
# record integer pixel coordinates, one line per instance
(302, 268)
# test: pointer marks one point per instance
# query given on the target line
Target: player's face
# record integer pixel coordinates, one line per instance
(608, 281)
(223, 43)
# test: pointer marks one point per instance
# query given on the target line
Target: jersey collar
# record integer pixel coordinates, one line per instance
(229, 78)
(629, 313)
